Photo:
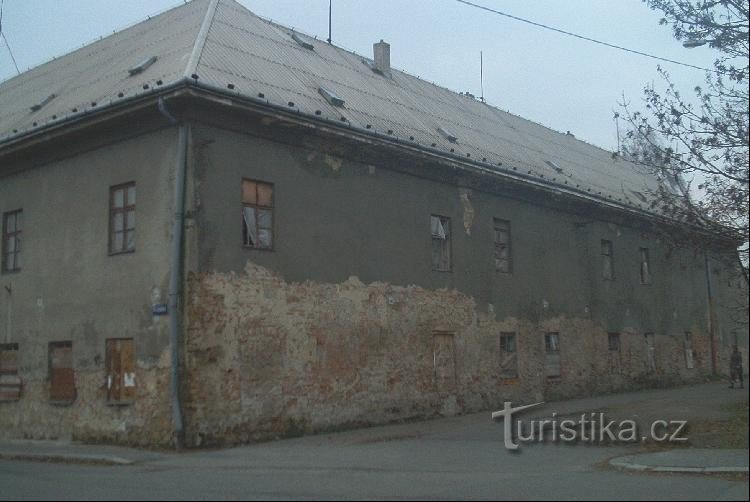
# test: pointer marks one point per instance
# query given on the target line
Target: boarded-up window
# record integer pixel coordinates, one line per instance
(650, 352)
(444, 361)
(615, 358)
(552, 355)
(61, 373)
(689, 360)
(608, 263)
(120, 366)
(257, 214)
(440, 229)
(503, 261)
(122, 218)
(508, 356)
(645, 266)
(10, 382)
(11, 244)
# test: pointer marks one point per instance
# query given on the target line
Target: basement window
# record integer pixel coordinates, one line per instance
(257, 214)
(10, 382)
(608, 267)
(440, 228)
(142, 66)
(302, 43)
(552, 355)
(502, 246)
(120, 366)
(122, 218)
(331, 97)
(508, 356)
(45, 102)
(62, 389)
(645, 266)
(11, 244)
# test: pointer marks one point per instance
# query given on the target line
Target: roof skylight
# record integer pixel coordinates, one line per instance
(142, 66)
(39, 106)
(447, 135)
(302, 43)
(331, 96)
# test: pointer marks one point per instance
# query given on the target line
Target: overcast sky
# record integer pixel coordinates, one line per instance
(559, 81)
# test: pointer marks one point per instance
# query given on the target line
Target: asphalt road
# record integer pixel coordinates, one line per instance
(454, 458)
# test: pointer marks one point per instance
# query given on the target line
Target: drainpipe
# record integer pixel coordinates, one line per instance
(711, 314)
(175, 279)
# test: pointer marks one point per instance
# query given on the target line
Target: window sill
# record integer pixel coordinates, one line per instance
(120, 253)
(255, 248)
(62, 403)
(120, 404)
(510, 380)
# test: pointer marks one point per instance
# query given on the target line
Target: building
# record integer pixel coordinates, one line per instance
(218, 229)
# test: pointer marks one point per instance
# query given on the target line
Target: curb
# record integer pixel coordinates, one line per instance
(625, 463)
(66, 458)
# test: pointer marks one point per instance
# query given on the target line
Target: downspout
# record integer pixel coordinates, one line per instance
(711, 314)
(175, 279)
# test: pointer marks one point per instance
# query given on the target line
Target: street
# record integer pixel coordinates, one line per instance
(451, 458)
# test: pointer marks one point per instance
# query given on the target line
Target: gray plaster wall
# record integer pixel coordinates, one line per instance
(336, 218)
(69, 287)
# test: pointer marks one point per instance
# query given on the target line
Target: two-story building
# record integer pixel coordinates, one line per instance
(219, 229)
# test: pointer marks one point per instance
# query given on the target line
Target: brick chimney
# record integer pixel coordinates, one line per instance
(382, 58)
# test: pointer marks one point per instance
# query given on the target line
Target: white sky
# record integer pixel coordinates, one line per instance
(561, 82)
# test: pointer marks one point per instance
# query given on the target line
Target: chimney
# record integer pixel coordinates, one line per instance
(382, 58)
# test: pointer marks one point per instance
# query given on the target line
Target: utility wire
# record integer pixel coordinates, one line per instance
(551, 28)
(2, 2)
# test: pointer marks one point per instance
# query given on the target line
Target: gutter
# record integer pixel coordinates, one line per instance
(711, 315)
(176, 271)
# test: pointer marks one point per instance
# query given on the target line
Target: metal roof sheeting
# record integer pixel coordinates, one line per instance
(261, 58)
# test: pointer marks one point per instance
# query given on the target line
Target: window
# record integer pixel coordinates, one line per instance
(12, 229)
(257, 214)
(120, 366)
(650, 352)
(614, 342)
(615, 359)
(552, 351)
(10, 383)
(502, 246)
(440, 227)
(444, 361)
(608, 267)
(508, 356)
(689, 360)
(645, 267)
(122, 218)
(61, 373)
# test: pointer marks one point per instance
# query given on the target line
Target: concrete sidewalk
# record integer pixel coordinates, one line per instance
(698, 460)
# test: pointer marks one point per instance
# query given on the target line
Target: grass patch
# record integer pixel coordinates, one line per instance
(728, 433)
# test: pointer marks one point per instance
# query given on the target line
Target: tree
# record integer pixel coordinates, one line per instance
(699, 148)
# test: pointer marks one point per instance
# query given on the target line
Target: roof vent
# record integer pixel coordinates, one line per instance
(302, 43)
(570, 134)
(143, 66)
(331, 96)
(447, 135)
(39, 106)
(382, 58)
(557, 168)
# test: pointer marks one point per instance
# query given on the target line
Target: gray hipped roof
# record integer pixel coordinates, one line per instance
(224, 44)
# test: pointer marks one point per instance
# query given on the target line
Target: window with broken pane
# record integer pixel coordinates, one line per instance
(502, 246)
(440, 228)
(645, 266)
(508, 356)
(257, 214)
(608, 267)
(122, 218)
(12, 230)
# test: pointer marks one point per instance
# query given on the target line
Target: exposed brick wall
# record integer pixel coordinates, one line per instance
(266, 358)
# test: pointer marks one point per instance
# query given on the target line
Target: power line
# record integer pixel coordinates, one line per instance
(2, 2)
(588, 39)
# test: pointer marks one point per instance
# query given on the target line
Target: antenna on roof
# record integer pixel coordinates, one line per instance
(481, 73)
(330, 12)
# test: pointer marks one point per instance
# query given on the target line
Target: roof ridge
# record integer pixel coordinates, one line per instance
(200, 41)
